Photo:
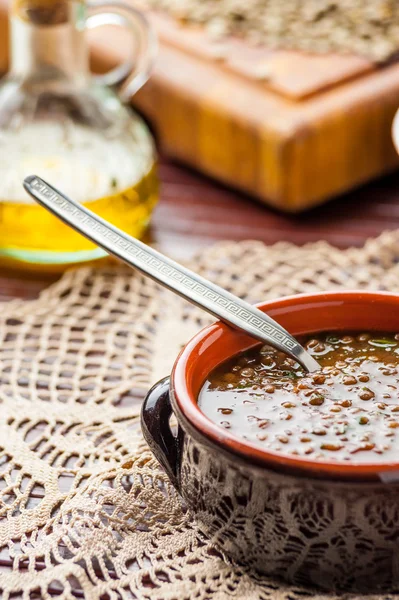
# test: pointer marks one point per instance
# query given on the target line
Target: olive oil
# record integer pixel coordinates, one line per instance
(119, 185)
(30, 234)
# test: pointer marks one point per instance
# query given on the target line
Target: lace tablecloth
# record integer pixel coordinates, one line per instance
(85, 510)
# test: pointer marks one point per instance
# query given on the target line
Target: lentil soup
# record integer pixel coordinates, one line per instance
(347, 411)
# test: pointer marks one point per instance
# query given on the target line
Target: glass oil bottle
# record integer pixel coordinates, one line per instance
(70, 128)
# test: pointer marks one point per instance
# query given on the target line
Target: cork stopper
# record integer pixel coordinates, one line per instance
(42, 12)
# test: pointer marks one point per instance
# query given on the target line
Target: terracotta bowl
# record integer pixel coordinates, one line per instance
(310, 522)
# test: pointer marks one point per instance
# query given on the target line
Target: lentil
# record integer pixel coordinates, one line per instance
(368, 28)
(328, 411)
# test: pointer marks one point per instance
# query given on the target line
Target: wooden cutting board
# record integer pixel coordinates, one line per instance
(316, 127)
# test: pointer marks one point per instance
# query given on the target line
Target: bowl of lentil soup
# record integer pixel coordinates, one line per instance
(293, 474)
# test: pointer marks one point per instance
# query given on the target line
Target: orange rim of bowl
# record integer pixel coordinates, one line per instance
(187, 404)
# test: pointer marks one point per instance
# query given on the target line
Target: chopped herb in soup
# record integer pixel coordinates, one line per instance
(347, 411)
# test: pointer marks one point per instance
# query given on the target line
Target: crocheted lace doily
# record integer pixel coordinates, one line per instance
(85, 510)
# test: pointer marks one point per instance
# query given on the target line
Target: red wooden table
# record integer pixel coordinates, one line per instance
(195, 212)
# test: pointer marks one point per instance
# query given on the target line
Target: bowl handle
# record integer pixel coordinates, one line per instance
(155, 414)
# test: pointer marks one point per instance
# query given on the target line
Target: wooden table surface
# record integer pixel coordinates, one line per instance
(195, 212)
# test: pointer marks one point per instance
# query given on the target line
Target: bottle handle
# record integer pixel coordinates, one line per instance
(134, 72)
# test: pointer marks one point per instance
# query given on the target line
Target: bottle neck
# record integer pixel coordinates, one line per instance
(48, 41)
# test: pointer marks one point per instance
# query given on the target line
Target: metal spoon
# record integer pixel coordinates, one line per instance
(189, 285)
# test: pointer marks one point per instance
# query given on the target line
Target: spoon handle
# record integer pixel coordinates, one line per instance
(189, 285)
